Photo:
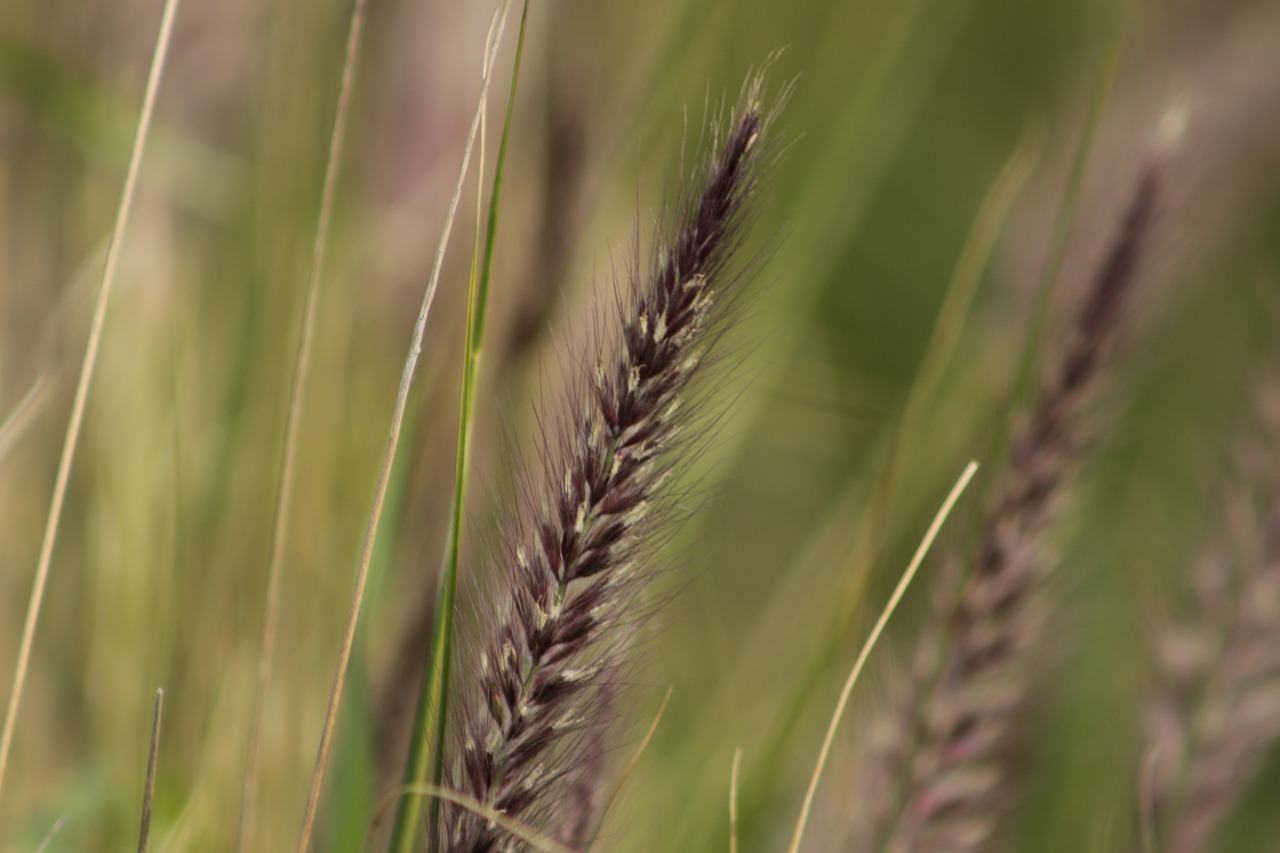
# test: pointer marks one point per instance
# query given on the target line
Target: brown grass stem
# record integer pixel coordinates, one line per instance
(393, 438)
(90, 360)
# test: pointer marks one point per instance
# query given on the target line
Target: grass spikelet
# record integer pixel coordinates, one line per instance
(573, 568)
(941, 785)
(1218, 707)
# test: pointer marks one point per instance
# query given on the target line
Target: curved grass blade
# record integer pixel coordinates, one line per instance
(872, 639)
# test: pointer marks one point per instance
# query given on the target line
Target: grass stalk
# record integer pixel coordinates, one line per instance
(76, 420)
(393, 439)
(293, 419)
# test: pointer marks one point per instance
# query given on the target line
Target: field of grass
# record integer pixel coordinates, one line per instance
(903, 307)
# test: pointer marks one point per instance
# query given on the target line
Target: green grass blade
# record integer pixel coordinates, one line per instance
(430, 728)
(388, 459)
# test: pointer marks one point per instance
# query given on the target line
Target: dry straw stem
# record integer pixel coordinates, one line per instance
(86, 376)
(301, 368)
(900, 590)
(1217, 713)
(940, 784)
(575, 563)
(393, 439)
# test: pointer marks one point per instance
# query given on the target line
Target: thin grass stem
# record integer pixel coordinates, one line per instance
(865, 653)
(76, 419)
(149, 789)
(630, 769)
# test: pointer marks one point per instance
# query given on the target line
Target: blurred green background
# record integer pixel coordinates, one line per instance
(903, 115)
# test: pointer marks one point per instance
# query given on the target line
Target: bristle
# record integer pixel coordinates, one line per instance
(941, 783)
(572, 581)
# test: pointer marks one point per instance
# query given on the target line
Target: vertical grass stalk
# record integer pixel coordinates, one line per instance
(76, 419)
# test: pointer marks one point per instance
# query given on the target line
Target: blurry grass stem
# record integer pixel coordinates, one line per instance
(86, 376)
(630, 769)
(733, 800)
(20, 418)
(149, 789)
(384, 473)
(301, 368)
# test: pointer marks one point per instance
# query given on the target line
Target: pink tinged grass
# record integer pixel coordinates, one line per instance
(76, 419)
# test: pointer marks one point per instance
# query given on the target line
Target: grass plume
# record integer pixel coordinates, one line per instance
(572, 571)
